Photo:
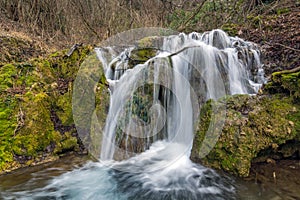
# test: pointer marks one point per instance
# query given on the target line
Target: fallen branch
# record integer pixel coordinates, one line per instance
(73, 48)
(181, 50)
(296, 69)
(287, 47)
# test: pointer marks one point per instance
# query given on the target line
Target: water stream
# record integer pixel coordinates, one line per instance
(153, 113)
(79, 178)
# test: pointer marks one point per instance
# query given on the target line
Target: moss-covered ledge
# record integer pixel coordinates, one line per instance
(287, 82)
(36, 121)
(252, 124)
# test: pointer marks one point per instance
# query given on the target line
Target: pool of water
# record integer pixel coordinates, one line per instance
(76, 177)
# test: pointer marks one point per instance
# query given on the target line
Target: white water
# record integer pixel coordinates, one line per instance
(224, 66)
(181, 180)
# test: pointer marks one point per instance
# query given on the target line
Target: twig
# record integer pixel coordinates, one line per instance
(20, 120)
(86, 23)
(272, 8)
(181, 50)
(287, 47)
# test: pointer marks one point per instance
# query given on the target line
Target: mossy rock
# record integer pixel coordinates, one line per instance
(8, 124)
(36, 119)
(64, 108)
(90, 103)
(252, 124)
(145, 49)
(141, 54)
(150, 42)
(285, 82)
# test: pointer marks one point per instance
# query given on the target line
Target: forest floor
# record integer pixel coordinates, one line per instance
(275, 29)
(17, 45)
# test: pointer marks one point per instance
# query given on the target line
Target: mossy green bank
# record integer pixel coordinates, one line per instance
(36, 121)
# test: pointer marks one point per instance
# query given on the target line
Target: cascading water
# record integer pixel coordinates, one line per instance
(221, 65)
(153, 113)
(224, 65)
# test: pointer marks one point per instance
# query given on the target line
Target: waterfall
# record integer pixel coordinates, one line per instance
(188, 69)
(154, 107)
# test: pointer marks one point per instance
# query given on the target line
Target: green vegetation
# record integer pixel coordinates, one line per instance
(36, 120)
(285, 82)
(8, 124)
(141, 55)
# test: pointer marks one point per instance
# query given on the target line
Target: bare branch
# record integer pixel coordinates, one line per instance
(182, 26)
(287, 47)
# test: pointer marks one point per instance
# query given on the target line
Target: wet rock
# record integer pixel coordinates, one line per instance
(271, 122)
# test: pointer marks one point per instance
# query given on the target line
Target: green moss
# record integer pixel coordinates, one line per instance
(35, 134)
(285, 82)
(205, 119)
(7, 74)
(20, 77)
(36, 107)
(26, 77)
(64, 110)
(70, 142)
(294, 118)
(8, 123)
(65, 143)
(252, 124)
(44, 73)
(230, 28)
(291, 82)
(256, 21)
(280, 11)
(150, 42)
(67, 66)
(141, 55)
